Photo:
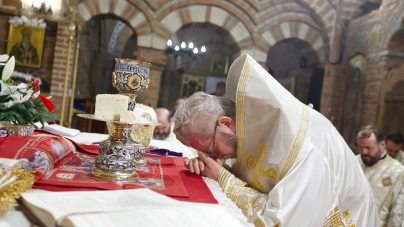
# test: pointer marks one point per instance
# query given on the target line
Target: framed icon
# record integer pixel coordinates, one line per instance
(26, 45)
(220, 63)
(191, 84)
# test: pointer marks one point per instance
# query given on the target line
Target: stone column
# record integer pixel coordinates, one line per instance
(158, 60)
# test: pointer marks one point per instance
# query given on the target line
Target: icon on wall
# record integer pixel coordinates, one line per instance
(191, 84)
(26, 45)
(220, 63)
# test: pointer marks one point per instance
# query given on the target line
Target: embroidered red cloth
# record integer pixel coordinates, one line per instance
(59, 168)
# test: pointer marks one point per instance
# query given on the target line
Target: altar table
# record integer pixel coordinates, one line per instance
(16, 218)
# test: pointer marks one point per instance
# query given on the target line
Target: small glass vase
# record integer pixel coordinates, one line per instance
(10, 129)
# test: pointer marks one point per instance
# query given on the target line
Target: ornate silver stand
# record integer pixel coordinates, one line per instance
(127, 142)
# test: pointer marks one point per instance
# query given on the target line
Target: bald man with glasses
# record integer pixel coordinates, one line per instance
(293, 167)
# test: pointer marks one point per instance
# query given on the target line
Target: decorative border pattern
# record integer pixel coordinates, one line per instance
(240, 110)
(297, 144)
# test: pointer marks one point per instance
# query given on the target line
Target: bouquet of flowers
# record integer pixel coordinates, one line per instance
(22, 103)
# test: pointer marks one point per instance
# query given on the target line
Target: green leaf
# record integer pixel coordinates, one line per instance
(21, 108)
(2, 106)
(9, 116)
(27, 112)
(3, 98)
(28, 104)
(32, 112)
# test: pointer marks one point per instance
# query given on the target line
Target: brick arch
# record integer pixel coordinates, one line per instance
(325, 16)
(396, 42)
(395, 36)
(205, 14)
(275, 32)
(322, 8)
(137, 19)
(313, 15)
(244, 15)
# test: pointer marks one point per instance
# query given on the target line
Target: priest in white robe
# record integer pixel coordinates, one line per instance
(394, 144)
(293, 168)
(385, 175)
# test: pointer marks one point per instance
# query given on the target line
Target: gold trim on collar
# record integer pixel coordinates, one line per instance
(241, 88)
(297, 144)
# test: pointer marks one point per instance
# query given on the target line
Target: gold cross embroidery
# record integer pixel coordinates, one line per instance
(258, 171)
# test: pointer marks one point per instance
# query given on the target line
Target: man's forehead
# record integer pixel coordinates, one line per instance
(163, 120)
(163, 124)
(371, 138)
(197, 141)
(389, 142)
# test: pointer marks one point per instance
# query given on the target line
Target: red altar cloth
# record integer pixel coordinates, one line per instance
(66, 170)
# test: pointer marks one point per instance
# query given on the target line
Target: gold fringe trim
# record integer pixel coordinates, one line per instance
(11, 192)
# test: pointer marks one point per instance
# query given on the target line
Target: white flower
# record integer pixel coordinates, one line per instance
(18, 94)
(18, 98)
(4, 89)
(3, 59)
(8, 69)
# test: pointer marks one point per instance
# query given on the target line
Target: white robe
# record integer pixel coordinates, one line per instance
(400, 156)
(301, 171)
(386, 179)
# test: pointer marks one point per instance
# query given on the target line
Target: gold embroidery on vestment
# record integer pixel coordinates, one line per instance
(298, 142)
(258, 171)
(348, 219)
(387, 181)
(334, 219)
(242, 85)
(259, 223)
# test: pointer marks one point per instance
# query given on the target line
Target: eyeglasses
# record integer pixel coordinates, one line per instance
(211, 153)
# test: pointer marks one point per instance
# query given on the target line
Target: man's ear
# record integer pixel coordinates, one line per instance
(227, 122)
(383, 145)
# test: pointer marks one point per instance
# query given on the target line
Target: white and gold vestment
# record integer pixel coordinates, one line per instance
(295, 168)
(400, 156)
(386, 179)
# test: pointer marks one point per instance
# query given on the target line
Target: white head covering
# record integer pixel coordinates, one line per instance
(269, 123)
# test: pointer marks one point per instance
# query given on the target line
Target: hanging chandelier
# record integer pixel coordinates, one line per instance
(184, 49)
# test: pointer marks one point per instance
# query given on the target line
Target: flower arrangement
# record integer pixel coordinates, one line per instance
(22, 103)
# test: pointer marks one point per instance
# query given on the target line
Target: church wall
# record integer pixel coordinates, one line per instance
(256, 27)
(60, 64)
(158, 60)
(369, 35)
(374, 77)
(332, 94)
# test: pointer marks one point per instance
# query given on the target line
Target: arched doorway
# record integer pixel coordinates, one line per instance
(198, 68)
(295, 64)
(391, 102)
(102, 39)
